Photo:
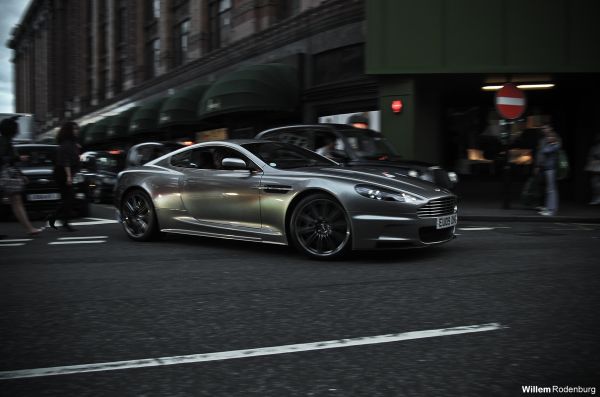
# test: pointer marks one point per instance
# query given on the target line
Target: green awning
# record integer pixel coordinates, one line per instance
(181, 108)
(269, 87)
(145, 118)
(97, 132)
(119, 124)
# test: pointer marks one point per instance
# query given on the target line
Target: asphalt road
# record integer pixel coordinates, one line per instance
(533, 290)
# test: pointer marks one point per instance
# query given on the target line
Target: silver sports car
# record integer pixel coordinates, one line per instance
(278, 193)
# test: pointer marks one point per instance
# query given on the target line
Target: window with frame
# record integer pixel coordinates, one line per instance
(152, 58)
(182, 37)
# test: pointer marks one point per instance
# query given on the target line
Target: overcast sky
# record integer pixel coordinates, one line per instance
(12, 11)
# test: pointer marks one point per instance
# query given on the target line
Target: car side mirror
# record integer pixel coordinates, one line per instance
(232, 163)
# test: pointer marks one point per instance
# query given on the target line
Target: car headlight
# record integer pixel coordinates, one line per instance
(453, 177)
(78, 178)
(413, 173)
(377, 193)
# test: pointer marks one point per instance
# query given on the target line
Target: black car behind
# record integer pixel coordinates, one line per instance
(100, 169)
(358, 147)
(41, 194)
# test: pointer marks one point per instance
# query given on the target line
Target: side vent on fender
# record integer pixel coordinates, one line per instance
(278, 189)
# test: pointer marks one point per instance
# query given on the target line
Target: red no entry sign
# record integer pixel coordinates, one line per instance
(510, 101)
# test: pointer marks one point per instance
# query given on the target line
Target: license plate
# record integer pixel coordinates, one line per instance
(43, 196)
(443, 222)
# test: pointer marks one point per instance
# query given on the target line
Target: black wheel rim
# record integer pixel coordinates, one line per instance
(321, 227)
(136, 214)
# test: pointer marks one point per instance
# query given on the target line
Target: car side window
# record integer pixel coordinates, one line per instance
(182, 160)
(200, 158)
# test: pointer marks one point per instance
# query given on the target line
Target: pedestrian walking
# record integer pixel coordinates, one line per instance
(547, 164)
(12, 180)
(67, 164)
(593, 167)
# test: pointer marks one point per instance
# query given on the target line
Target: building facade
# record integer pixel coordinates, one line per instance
(84, 60)
(133, 70)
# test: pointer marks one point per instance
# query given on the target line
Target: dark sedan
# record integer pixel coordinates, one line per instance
(357, 147)
(41, 193)
(100, 169)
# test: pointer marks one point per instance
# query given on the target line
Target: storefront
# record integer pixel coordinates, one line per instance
(439, 75)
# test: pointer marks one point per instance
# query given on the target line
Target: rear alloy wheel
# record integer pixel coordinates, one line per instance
(139, 218)
(320, 227)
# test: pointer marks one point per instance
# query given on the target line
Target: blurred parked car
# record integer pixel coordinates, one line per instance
(142, 153)
(41, 193)
(100, 169)
(358, 147)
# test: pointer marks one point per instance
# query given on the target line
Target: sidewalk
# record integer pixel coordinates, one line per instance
(484, 202)
(470, 209)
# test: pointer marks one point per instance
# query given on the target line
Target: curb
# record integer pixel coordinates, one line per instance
(548, 219)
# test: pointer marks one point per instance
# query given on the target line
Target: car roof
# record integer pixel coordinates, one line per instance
(323, 126)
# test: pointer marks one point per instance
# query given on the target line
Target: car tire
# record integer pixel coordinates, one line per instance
(139, 216)
(320, 227)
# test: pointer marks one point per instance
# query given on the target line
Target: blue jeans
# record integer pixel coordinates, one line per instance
(551, 191)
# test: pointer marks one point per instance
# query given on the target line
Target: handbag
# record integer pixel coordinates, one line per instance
(562, 170)
(12, 181)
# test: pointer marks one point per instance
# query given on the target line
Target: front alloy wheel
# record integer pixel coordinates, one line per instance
(320, 227)
(139, 219)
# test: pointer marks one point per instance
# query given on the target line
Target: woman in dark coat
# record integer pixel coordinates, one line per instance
(67, 164)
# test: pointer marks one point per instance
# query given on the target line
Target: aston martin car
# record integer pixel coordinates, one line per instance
(274, 192)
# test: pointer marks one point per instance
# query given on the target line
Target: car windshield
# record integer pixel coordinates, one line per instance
(36, 156)
(368, 144)
(286, 156)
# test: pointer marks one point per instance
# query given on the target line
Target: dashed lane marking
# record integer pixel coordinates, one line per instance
(483, 228)
(77, 242)
(14, 242)
(234, 354)
(90, 222)
(82, 238)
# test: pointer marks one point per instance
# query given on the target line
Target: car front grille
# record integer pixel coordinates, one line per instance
(437, 207)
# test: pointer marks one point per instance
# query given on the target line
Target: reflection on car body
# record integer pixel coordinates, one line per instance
(279, 193)
(358, 147)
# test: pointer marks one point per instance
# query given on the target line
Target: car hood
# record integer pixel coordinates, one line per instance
(391, 164)
(380, 177)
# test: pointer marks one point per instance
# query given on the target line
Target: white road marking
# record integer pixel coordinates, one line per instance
(233, 354)
(77, 242)
(82, 238)
(91, 222)
(475, 228)
(12, 245)
(16, 240)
